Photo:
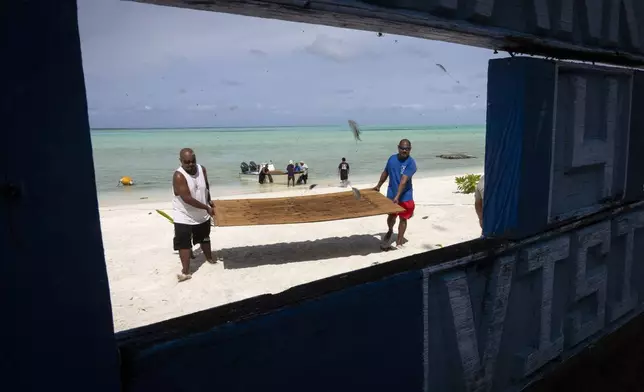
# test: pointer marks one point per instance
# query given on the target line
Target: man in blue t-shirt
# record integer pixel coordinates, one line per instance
(399, 169)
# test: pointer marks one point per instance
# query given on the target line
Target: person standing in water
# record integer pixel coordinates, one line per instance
(399, 169)
(305, 171)
(343, 169)
(192, 210)
(290, 170)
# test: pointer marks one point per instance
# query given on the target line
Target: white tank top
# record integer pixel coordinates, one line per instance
(184, 212)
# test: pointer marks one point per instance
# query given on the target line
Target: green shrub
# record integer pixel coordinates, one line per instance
(467, 183)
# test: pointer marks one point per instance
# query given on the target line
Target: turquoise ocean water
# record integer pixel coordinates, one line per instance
(150, 156)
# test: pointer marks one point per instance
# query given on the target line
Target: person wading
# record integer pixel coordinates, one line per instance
(290, 174)
(343, 169)
(192, 210)
(399, 169)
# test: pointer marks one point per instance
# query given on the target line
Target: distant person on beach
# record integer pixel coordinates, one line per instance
(478, 199)
(343, 170)
(399, 169)
(192, 210)
(290, 170)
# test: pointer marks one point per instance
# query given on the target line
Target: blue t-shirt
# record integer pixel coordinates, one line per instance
(396, 168)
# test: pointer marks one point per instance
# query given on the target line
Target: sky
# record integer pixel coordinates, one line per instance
(150, 66)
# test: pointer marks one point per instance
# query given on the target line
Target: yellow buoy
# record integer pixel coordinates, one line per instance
(126, 181)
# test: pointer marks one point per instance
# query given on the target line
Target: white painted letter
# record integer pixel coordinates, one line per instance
(582, 322)
(631, 22)
(544, 256)
(478, 372)
(626, 225)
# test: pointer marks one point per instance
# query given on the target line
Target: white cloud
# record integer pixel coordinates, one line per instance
(412, 106)
(331, 48)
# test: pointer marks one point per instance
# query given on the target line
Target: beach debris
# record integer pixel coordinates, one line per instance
(356, 193)
(448, 74)
(455, 156)
(163, 214)
(439, 245)
(425, 217)
(312, 186)
(355, 130)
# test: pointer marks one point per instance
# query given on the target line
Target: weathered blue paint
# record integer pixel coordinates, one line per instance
(483, 315)
(635, 169)
(497, 321)
(518, 141)
(593, 30)
(56, 326)
(557, 143)
(303, 347)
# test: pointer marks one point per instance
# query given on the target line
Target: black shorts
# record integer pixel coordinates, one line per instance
(187, 235)
(344, 175)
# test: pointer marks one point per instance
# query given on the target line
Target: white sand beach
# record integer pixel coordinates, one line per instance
(255, 260)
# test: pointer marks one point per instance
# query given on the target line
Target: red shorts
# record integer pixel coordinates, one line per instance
(409, 207)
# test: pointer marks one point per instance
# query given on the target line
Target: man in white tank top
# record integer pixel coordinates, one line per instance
(192, 210)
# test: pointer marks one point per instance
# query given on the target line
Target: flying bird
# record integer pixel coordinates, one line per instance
(448, 74)
(355, 130)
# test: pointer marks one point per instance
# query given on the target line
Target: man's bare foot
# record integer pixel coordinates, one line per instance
(183, 277)
(212, 261)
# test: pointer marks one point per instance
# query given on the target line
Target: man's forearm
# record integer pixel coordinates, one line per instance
(401, 187)
(383, 178)
(478, 206)
(194, 202)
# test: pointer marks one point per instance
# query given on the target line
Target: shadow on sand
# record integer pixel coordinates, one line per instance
(292, 252)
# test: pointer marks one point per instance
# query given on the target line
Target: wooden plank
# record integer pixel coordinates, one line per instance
(302, 209)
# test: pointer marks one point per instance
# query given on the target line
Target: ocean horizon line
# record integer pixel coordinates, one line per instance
(369, 127)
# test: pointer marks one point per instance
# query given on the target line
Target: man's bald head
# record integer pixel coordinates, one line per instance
(186, 152)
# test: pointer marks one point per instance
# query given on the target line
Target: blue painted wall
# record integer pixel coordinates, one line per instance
(520, 111)
(559, 137)
(498, 320)
(484, 315)
(56, 329)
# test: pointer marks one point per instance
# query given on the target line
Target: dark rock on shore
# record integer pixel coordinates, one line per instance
(455, 156)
